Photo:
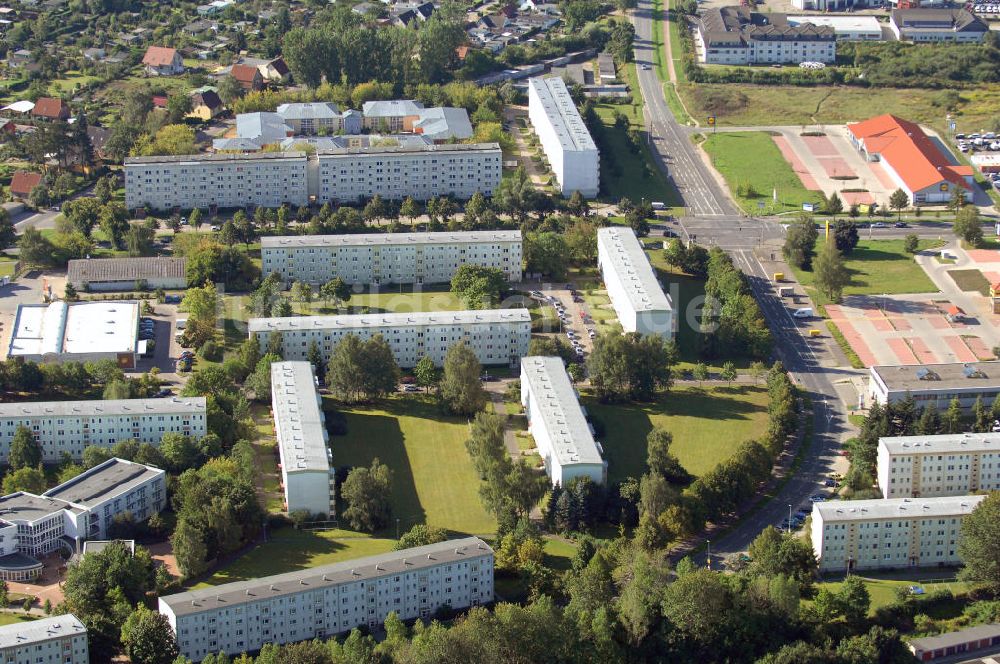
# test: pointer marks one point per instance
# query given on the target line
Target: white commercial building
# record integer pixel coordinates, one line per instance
(307, 472)
(568, 145)
(935, 384)
(557, 423)
(59, 639)
(739, 36)
(77, 332)
(635, 292)
(496, 336)
(320, 602)
(390, 258)
(889, 533)
(77, 510)
(946, 465)
(922, 24)
(68, 427)
(853, 27)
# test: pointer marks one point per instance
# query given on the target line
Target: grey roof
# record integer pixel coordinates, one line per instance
(957, 19)
(309, 111)
(629, 261)
(175, 405)
(207, 157)
(395, 108)
(897, 508)
(370, 142)
(125, 269)
(390, 320)
(943, 444)
(262, 127)
(735, 26)
(325, 576)
(28, 507)
(407, 148)
(103, 482)
(390, 239)
(956, 638)
(560, 411)
(298, 421)
(39, 631)
(562, 114)
(442, 123)
(970, 376)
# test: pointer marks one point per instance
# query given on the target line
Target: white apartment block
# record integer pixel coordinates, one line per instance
(571, 151)
(935, 384)
(889, 533)
(208, 181)
(59, 639)
(71, 426)
(320, 602)
(557, 423)
(77, 510)
(633, 288)
(946, 465)
(307, 471)
(496, 336)
(348, 175)
(739, 36)
(390, 258)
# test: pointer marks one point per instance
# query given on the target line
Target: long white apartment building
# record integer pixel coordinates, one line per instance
(319, 602)
(889, 533)
(557, 422)
(390, 258)
(307, 471)
(570, 149)
(70, 426)
(58, 639)
(496, 336)
(947, 465)
(935, 384)
(633, 288)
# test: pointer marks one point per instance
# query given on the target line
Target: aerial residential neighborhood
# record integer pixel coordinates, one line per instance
(415, 332)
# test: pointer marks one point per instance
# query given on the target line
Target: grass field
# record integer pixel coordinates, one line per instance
(289, 549)
(71, 81)
(433, 478)
(752, 158)
(970, 280)
(14, 618)
(882, 587)
(877, 267)
(393, 300)
(707, 424)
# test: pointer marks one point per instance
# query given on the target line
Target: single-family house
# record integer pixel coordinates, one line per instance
(163, 61)
(276, 70)
(248, 77)
(205, 104)
(23, 182)
(50, 108)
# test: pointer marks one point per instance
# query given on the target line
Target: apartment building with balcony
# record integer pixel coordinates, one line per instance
(633, 288)
(61, 639)
(946, 465)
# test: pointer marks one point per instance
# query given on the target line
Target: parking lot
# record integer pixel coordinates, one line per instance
(577, 328)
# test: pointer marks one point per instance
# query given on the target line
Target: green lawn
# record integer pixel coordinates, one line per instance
(970, 280)
(289, 549)
(751, 159)
(70, 82)
(13, 618)
(882, 586)
(707, 424)
(392, 300)
(433, 478)
(877, 267)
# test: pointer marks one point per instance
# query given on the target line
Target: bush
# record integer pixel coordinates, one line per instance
(210, 351)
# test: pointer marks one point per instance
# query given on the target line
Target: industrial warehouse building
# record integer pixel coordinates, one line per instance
(60, 639)
(127, 274)
(307, 472)
(68, 427)
(77, 332)
(568, 145)
(372, 259)
(496, 336)
(946, 465)
(557, 423)
(890, 533)
(320, 602)
(633, 288)
(935, 384)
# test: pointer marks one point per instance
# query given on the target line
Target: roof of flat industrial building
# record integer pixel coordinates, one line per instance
(943, 444)
(92, 270)
(39, 631)
(850, 23)
(325, 576)
(390, 320)
(298, 421)
(562, 114)
(628, 258)
(393, 239)
(22, 506)
(896, 508)
(560, 411)
(78, 327)
(935, 377)
(103, 482)
(441, 123)
(212, 157)
(949, 639)
(933, 18)
(175, 405)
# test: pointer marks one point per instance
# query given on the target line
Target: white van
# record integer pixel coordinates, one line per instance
(181, 323)
(803, 313)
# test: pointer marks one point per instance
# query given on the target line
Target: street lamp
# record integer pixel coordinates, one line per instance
(789, 529)
(709, 558)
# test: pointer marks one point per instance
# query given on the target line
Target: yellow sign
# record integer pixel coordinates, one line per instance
(944, 186)
(711, 120)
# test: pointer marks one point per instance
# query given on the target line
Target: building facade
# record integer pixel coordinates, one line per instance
(61, 639)
(557, 423)
(125, 274)
(331, 599)
(947, 465)
(739, 36)
(633, 288)
(496, 336)
(937, 25)
(570, 149)
(935, 384)
(307, 471)
(389, 258)
(70, 426)
(889, 533)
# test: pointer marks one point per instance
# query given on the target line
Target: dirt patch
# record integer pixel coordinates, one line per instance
(970, 280)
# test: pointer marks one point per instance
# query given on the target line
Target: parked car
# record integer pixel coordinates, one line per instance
(901, 224)
(817, 498)
(172, 299)
(165, 392)
(878, 224)
(411, 388)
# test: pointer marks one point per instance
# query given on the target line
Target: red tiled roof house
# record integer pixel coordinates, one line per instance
(23, 182)
(248, 77)
(49, 108)
(163, 61)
